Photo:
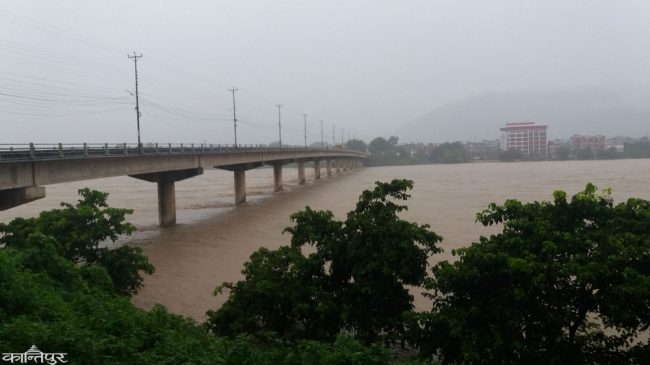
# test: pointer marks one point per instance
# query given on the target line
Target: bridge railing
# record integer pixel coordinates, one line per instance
(44, 151)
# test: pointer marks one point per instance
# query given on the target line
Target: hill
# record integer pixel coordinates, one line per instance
(579, 111)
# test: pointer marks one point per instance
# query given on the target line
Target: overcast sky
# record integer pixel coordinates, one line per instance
(365, 66)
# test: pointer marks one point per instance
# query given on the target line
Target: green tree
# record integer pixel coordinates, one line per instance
(354, 276)
(357, 144)
(511, 155)
(584, 154)
(563, 153)
(450, 153)
(638, 149)
(609, 154)
(565, 282)
(380, 145)
(78, 232)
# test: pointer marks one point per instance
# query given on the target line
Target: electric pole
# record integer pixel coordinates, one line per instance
(333, 135)
(305, 117)
(137, 101)
(234, 112)
(279, 106)
(322, 141)
(341, 137)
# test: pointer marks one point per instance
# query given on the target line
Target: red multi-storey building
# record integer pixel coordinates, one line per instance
(529, 138)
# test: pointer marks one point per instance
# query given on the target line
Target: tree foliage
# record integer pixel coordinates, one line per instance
(450, 153)
(566, 282)
(80, 232)
(47, 300)
(638, 149)
(52, 296)
(336, 275)
(357, 144)
(511, 155)
(380, 145)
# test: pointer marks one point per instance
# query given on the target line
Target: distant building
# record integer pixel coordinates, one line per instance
(618, 143)
(584, 142)
(529, 138)
(484, 150)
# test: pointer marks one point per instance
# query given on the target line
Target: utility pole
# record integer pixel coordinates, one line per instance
(341, 137)
(348, 137)
(279, 106)
(234, 112)
(333, 135)
(305, 117)
(322, 141)
(137, 101)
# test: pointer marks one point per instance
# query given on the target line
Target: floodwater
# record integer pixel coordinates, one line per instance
(213, 238)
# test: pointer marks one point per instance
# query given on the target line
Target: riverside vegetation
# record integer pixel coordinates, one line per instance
(566, 281)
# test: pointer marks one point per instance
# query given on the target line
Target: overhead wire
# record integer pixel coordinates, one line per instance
(73, 65)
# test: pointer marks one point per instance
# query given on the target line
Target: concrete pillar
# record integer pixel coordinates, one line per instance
(337, 163)
(240, 186)
(277, 177)
(167, 192)
(329, 167)
(317, 169)
(166, 202)
(301, 173)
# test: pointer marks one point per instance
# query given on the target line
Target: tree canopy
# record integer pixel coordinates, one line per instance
(357, 144)
(565, 282)
(450, 153)
(354, 277)
(77, 233)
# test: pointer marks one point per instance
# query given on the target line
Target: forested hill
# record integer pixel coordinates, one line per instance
(611, 112)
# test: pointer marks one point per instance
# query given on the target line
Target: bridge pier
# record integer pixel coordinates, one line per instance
(167, 191)
(301, 172)
(277, 177)
(240, 186)
(166, 203)
(317, 169)
(239, 172)
(329, 167)
(337, 163)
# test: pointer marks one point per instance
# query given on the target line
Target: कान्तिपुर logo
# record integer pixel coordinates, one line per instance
(34, 356)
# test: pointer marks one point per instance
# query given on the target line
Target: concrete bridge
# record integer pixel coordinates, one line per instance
(24, 169)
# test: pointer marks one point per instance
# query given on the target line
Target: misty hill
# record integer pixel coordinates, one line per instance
(567, 112)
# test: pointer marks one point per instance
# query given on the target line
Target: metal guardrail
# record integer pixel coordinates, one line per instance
(49, 151)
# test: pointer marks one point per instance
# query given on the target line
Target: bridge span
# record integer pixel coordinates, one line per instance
(25, 169)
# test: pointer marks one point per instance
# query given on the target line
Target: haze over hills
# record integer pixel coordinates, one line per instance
(611, 112)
